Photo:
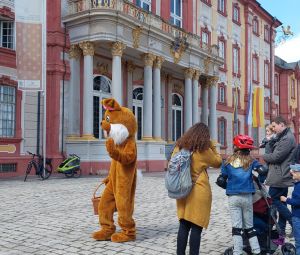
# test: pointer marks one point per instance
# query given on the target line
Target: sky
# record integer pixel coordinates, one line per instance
(288, 12)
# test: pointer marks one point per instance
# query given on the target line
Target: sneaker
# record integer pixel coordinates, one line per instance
(279, 240)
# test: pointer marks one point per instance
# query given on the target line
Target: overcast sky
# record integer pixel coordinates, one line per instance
(288, 13)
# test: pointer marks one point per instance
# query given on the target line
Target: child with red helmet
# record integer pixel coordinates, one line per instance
(237, 169)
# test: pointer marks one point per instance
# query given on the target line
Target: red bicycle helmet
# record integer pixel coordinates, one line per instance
(243, 142)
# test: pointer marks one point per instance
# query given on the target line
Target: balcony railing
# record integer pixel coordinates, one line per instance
(77, 6)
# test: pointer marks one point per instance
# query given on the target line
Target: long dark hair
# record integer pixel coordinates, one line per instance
(197, 138)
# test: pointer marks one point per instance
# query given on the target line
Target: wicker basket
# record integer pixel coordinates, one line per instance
(96, 199)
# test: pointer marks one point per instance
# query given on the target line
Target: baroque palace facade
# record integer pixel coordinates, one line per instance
(173, 62)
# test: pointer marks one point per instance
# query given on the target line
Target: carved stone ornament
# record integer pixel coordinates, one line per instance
(130, 66)
(117, 48)
(102, 68)
(178, 47)
(158, 62)
(212, 80)
(136, 34)
(188, 73)
(196, 75)
(148, 59)
(75, 51)
(87, 48)
(206, 65)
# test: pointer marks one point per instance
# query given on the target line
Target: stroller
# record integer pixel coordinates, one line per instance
(265, 224)
(70, 167)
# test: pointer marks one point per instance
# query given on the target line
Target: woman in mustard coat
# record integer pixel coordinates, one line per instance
(194, 210)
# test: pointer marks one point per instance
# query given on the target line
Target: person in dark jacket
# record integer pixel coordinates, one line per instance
(270, 139)
(294, 201)
(279, 161)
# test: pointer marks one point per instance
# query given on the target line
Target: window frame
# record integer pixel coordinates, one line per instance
(12, 35)
(207, 2)
(235, 72)
(147, 2)
(174, 16)
(204, 30)
(222, 11)
(138, 103)
(276, 84)
(267, 105)
(177, 108)
(222, 97)
(221, 39)
(267, 75)
(267, 33)
(235, 6)
(255, 24)
(255, 59)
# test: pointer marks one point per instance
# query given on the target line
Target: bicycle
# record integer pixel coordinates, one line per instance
(70, 166)
(37, 163)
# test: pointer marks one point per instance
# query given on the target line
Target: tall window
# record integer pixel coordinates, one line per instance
(267, 73)
(102, 90)
(7, 34)
(236, 14)
(293, 89)
(267, 105)
(145, 4)
(222, 131)
(205, 37)
(236, 60)
(255, 27)
(176, 116)
(222, 51)
(7, 111)
(176, 12)
(276, 84)
(267, 33)
(255, 68)
(222, 6)
(222, 93)
(137, 108)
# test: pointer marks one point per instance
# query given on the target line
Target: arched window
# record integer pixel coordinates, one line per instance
(137, 108)
(102, 90)
(176, 116)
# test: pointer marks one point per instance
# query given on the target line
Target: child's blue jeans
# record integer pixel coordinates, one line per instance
(296, 230)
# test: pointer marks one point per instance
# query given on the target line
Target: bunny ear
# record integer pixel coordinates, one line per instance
(110, 104)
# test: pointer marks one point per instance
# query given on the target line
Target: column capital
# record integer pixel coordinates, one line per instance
(148, 59)
(158, 62)
(196, 75)
(74, 51)
(130, 66)
(188, 73)
(117, 48)
(87, 48)
(212, 80)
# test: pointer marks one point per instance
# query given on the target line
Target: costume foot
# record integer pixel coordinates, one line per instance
(102, 235)
(121, 238)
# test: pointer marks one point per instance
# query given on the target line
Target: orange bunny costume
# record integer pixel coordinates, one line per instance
(119, 127)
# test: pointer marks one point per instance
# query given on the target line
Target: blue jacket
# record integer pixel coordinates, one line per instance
(294, 201)
(239, 180)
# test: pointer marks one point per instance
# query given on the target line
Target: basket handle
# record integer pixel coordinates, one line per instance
(98, 186)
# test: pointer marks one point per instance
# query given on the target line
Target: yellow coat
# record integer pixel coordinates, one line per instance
(197, 205)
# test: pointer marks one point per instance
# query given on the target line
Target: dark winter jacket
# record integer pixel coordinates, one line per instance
(295, 200)
(280, 160)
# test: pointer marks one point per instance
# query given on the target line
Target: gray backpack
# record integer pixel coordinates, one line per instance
(178, 180)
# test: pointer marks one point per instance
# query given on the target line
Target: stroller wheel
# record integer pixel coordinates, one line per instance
(229, 251)
(288, 249)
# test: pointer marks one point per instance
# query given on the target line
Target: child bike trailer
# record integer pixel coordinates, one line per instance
(70, 166)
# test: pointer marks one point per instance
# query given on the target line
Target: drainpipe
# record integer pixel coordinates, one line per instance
(271, 68)
(38, 124)
(63, 93)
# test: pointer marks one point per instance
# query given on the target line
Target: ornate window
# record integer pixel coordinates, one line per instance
(267, 73)
(144, 4)
(205, 37)
(222, 7)
(236, 14)
(255, 27)
(102, 90)
(267, 33)
(137, 109)
(176, 116)
(7, 34)
(255, 68)
(276, 85)
(267, 105)
(222, 123)
(7, 111)
(176, 12)
(208, 2)
(222, 52)
(221, 93)
(236, 60)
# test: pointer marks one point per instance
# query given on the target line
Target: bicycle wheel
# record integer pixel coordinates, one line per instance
(77, 173)
(28, 170)
(69, 174)
(46, 172)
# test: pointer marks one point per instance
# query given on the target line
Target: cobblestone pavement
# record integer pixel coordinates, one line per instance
(56, 217)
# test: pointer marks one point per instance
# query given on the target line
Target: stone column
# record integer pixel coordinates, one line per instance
(188, 114)
(195, 96)
(213, 108)
(204, 99)
(169, 111)
(88, 53)
(157, 98)
(147, 102)
(130, 69)
(117, 51)
(74, 92)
